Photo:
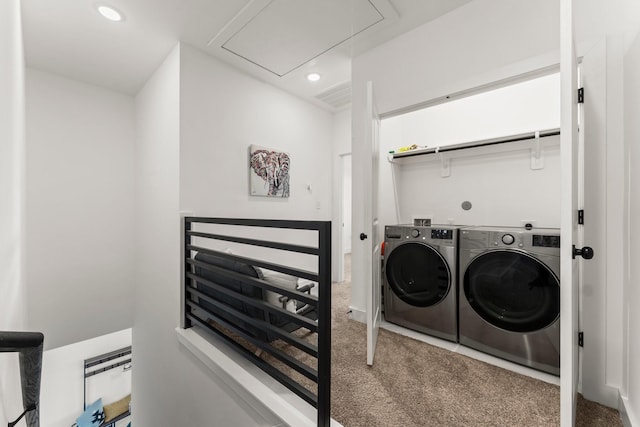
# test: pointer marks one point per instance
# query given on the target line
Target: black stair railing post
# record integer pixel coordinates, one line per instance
(29, 345)
(185, 321)
(324, 325)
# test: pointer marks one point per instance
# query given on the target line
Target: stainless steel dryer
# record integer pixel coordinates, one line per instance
(419, 278)
(510, 294)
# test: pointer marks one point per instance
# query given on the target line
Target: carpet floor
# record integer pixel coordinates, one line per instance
(414, 384)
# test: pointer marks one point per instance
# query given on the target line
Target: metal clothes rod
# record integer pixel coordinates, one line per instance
(475, 144)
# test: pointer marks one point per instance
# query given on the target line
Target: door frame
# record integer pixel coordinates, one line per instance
(546, 66)
(341, 217)
(570, 230)
(374, 241)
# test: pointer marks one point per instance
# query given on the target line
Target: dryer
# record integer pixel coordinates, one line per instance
(509, 295)
(419, 278)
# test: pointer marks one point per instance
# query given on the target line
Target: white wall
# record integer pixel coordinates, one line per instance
(473, 45)
(79, 209)
(502, 187)
(222, 113)
(526, 106)
(62, 392)
(195, 102)
(12, 305)
(156, 352)
(631, 315)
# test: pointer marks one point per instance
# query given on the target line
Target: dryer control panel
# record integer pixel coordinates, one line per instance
(442, 234)
(541, 240)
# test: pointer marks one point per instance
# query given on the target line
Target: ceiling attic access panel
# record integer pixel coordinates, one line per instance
(286, 34)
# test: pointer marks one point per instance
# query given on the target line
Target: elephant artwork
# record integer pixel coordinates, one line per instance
(269, 172)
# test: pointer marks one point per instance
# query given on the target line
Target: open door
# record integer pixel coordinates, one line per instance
(569, 276)
(374, 313)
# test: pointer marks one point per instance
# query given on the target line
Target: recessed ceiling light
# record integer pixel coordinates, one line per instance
(110, 13)
(313, 77)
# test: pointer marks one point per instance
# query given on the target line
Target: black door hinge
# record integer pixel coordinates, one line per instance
(581, 339)
(581, 216)
(581, 95)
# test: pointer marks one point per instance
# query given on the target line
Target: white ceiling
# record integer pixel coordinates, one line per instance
(277, 41)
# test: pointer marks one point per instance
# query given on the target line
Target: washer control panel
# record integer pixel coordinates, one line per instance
(437, 235)
(514, 239)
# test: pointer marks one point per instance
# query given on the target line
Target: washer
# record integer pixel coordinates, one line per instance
(510, 294)
(419, 278)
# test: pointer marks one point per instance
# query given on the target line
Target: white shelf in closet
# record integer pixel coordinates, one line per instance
(534, 141)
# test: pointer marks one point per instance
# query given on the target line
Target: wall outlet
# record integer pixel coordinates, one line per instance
(524, 222)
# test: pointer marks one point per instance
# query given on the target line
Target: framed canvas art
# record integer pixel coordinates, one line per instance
(268, 172)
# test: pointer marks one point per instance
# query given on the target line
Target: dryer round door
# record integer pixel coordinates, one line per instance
(418, 274)
(512, 290)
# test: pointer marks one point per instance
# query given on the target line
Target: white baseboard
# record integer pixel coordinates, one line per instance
(357, 314)
(626, 414)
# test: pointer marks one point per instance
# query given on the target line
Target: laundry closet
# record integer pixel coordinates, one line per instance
(470, 205)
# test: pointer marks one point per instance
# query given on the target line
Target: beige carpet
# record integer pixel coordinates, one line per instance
(415, 384)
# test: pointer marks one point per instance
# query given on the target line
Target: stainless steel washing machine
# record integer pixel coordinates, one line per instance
(509, 297)
(419, 278)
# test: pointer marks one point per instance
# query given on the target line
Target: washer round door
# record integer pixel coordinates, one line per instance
(418, 274)
(512, 290)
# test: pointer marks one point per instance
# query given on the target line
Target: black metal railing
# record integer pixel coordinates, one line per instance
(29, 345)
(97, 365)
(226, 295)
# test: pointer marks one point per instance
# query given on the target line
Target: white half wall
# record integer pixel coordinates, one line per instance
(12, 146)
(79, 209)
